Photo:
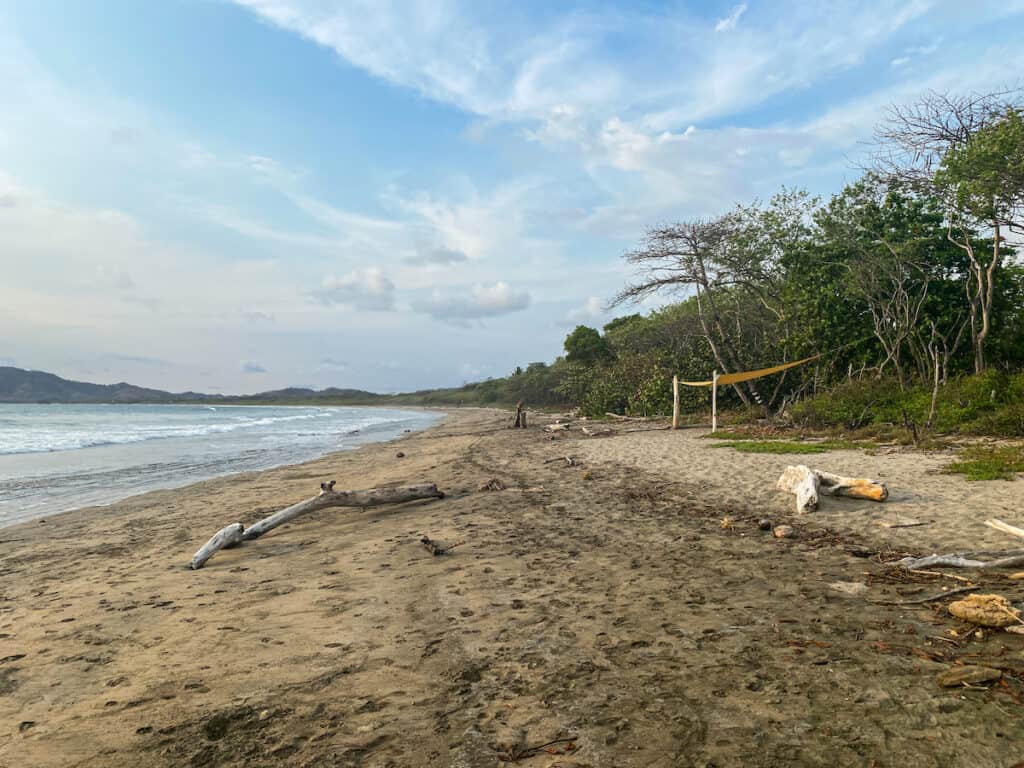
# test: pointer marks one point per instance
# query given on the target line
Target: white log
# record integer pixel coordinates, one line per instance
(328, 497)
(999, 525)
(808, 483)
(801, 481)
(226, 537)
(959, 561)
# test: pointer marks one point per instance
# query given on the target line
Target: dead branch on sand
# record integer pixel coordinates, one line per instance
(236, 533)
(1007, 560)
(436, 548)
(964, 560)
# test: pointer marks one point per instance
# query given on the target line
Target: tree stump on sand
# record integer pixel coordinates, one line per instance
(808, 483)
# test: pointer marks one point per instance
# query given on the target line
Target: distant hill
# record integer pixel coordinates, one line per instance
(20, 386)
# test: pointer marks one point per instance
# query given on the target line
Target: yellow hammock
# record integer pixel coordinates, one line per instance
(736, 378)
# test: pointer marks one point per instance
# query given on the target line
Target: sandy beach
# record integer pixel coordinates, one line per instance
(601, 609)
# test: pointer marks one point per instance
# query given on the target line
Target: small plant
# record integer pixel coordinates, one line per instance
(989, 462)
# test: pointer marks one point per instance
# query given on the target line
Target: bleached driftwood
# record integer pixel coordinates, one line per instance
(803, 482)
(556, 427)
(999, 525)
(620, 417)
(328, 497)
(807, 484)
(226, 537)
(962, 560)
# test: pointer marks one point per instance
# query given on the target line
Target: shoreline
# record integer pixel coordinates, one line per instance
(67, 464)
(602, 602)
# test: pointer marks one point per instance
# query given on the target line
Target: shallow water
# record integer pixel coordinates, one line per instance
(54, 458)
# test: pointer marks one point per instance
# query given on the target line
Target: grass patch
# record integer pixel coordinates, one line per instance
(989, 462)
(772, 446)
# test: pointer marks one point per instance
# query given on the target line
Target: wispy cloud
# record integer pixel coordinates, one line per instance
(367, 289)
(730, 21)
(481, 301)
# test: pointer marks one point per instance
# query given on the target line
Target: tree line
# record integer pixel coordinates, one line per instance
(907, 277)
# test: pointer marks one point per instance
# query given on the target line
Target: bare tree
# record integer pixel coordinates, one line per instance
(688, 257)
(912, 144)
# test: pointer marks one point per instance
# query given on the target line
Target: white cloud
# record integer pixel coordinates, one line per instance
(367, 289)
(730, 21)
(253, 367)
(591, 311)
(483, 301)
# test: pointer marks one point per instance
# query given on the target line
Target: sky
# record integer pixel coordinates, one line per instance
(235, 196)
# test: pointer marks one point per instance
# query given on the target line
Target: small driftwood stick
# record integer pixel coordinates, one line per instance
(328, 497)
(228, 536)
(923, 600)
(999, 525)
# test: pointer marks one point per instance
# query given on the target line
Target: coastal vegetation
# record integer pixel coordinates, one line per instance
(905, 285)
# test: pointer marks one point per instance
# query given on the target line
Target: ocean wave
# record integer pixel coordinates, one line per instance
(51, 438)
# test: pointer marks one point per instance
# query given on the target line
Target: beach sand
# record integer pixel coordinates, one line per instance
(603, 603)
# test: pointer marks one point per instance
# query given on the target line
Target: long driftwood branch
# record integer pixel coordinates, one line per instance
(961, 560)
(236, 533)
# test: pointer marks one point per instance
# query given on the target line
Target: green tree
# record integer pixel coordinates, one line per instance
(585, 345)
(983, 183)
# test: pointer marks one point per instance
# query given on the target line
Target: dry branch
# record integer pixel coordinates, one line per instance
(960, 561)
(328, 497)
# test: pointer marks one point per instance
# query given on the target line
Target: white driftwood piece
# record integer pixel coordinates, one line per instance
(1008, 560)
(999, 525)
(328, 497)
(226, 537)
(808, 483)
(803, 482)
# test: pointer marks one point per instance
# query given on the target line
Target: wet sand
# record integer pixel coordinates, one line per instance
(603, 603)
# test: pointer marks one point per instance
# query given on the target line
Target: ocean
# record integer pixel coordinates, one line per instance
(54, 458)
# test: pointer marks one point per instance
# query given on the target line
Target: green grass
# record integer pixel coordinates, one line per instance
(989, 462)
(747, 443)
(788, 446)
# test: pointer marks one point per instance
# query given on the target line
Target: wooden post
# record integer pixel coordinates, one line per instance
(675, 402)
(714, 401)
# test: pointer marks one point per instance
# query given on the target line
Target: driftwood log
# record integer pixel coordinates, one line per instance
(236, 533)
(1010, 559)
(807, 484)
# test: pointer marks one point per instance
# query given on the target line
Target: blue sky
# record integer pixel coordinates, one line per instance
(237, 196)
